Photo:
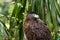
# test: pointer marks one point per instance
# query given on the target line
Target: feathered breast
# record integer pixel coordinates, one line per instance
(36, 30)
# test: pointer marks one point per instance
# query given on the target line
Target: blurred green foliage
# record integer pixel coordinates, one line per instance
(12, 16)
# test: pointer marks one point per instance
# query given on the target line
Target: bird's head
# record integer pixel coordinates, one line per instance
(32, 16)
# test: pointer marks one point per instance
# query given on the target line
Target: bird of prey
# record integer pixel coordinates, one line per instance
(35, 28)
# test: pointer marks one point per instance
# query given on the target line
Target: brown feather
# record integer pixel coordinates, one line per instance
(35, 29)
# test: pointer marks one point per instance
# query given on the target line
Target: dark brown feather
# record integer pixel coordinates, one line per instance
(35, 29)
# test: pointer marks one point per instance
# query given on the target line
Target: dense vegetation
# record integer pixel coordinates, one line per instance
(12, 16)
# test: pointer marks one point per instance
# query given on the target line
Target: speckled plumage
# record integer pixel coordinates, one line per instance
(35, 29)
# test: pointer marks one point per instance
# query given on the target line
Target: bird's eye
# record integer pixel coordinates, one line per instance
(35, 16)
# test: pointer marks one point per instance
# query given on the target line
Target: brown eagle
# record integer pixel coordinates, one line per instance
(35, 28)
